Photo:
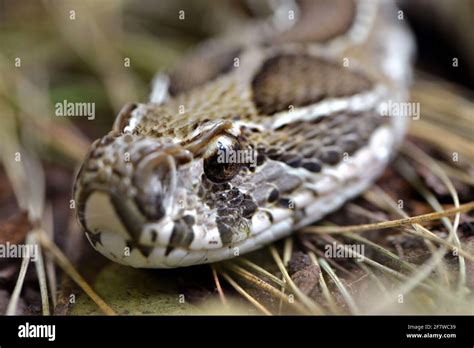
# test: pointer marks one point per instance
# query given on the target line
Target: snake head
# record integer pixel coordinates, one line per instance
(146, 201)
(131, 192)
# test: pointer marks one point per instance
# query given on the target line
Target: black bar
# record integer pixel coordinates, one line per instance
(244, 330)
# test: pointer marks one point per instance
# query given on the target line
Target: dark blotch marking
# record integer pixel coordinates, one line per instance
(285, 203)
(313, 166)
(350, 143)
(270, 216)
(237, 201)
(249, 208)
(189, 220)
(260, 159)
(225, 230)
(154, 235)
(201, 192)
(292, 159)
(129, 214)
(273, 196)
(331, 156)
(274, 153)
(181, 236)
(233, 208)
(274, 85)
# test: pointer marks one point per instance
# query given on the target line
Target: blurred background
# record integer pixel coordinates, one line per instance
(106, 53)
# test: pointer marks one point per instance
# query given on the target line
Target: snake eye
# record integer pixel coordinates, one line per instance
(221, 159)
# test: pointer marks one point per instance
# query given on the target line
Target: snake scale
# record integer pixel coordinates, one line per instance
(258, 132)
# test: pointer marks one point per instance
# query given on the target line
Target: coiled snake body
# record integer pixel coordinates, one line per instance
(257, 133)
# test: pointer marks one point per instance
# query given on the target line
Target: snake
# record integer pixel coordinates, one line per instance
(257, 132)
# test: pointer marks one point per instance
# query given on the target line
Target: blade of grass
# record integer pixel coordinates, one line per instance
(13, 303)
(287, 252)
(420, 231)
(218, 285)
(324, 288)
(266, 287)
(342, 289)
(417, 278)
(48, 227)
(319, 253)
(457, 174)
(421, 157)
(245, 294)
(313, 306)
(40, 271)
(375, 264)
(260, 270)
(389, 224)
(411, 176)
(69, 269)
(432, 134)
(377, 281)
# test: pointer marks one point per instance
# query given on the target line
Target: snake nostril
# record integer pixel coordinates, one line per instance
(156, 181)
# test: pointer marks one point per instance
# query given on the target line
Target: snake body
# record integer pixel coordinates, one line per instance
(258, 133)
